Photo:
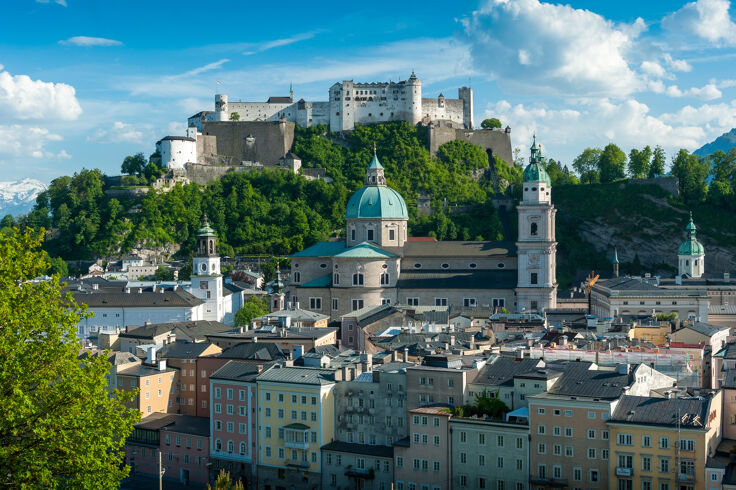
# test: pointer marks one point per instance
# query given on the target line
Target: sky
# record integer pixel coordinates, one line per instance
(83, 83)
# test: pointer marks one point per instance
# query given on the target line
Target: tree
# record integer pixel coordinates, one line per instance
(7, 221)
(152, 172)
(692, 172)
(235, 116)
(639, 162)
(492, 123)
(612, 163)
(60, 427)
(57, 266)
(656, 167)
(163, 274)
(134, 165)
(224, 482)
(587, 165)
(253, 308)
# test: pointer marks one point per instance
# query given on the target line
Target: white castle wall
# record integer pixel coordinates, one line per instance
(441, 108)
(176, 153)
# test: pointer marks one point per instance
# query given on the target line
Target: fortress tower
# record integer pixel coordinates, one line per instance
(466, 95)
(536, 246)
(413, 99)
(222, 109)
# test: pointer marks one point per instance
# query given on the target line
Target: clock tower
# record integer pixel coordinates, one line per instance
(206, 277)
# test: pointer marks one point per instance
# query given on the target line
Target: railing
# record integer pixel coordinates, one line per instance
(624, 471)
(296, 445)
(686, 477)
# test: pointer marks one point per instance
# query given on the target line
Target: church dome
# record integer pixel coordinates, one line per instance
(691, 246)
(375, 199)
(376, 202)
(535, 171)
(206, 229)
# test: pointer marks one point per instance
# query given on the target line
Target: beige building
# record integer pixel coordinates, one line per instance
(422, 460)
(569, 435)
(183, 358)
(154, 386)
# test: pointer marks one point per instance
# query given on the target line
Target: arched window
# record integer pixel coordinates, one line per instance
(218, 445)
(335, 279)
(297, 277)
(357, 279)
(212, 246)
(534, 229)
(242, 448)
(385, 279)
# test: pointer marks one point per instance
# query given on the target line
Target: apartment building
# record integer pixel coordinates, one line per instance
(295, 419)
(489, 454)
(234, 419)
(154, 387)
(361, 466)
(183, 442)
(183, 356)
(569, 435)
(663, 443)
(422, 460)
(444, 381)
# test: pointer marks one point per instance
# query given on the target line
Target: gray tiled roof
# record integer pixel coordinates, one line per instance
(364, 449)
(237, 371)
(266, 351)
(194, 329)
(729, 378)
(469, 249)
(457, 279)
(706, 328)
(299, 375)
(105, 298)
(502, 370)
(691, 412)
(579, 380)
(184, 350)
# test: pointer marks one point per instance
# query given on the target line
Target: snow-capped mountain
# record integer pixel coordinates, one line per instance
(18, 197)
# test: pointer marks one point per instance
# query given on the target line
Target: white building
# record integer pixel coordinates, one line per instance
(350, 103)
(691, 254)
(206, 277)
(177, 151)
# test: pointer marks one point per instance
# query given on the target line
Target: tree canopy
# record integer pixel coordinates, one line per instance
(253, 308)
(134, 165)
(491, 123)
(60, 427)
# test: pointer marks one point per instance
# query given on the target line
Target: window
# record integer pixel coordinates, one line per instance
(569, 451)
(499, 302)
(594, 476)
(577, 474)
(625, 440)
(604, 435)
(357, 279)
(533, 229)
(352, 232)
(664, 465)
(604, 454)
(664, 442)
(687, 445)
(646, 463)
(541, 448)
(392, 235)
(556, 430)
(646, 441)
(218, 393)
(568, 431)
(357, 304)
(533, 279)
(469, 302)
(541, 429)
(385, 279)
(440, 301)
(315, 303)
(412, 301)
(297, 276)
(591, 433)
(591, 453)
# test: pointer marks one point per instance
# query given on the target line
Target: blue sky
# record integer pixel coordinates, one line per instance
(85, 83)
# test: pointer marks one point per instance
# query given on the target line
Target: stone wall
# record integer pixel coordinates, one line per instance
(497, 142)
(248, 141)
(669, 183)
(204, 174)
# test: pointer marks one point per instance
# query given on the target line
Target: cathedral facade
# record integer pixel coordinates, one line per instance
(379, 263)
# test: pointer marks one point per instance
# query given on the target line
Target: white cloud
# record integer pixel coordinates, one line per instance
(653, 68)
(119, 132)
(177, 128)
(202, 69)
(87, 41)
(676, 65)
(541, 48)
(57, 2)
(22, 98)
(277, 43)
(706, 92)
(23, 141)
(707, 19)
(63, 155)
(565, 132)
(714, 118)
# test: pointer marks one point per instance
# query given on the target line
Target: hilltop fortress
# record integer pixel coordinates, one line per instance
(239, 136)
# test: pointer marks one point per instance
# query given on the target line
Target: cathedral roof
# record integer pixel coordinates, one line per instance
(374, 162)
(206, 229)
(376, 201)
(535, 171)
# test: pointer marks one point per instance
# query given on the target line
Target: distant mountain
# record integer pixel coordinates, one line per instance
(724, 142)
(18, 197)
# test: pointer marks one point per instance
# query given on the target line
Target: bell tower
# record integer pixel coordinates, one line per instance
(536, 247)
(206, 277)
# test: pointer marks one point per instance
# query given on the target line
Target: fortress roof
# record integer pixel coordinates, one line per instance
(176, 138)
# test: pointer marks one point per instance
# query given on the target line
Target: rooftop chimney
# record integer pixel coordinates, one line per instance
(95, 286)
(162, 365)
(151, 354)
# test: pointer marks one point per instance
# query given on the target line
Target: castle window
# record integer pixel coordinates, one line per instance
(526, 188)
(297, 277)
(357, 279)
(534, 229)
(204, 267)
(534, 188)
(533, 279)
(687, 262)
(392, 235)
(352, 234)
(385, 279)
(370, 230)
(335, 279)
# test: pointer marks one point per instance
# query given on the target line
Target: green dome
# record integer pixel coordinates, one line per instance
(535, 172)
(691, 246)
(206, 229)
(376, 202)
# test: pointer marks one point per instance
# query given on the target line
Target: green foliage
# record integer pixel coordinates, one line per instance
(60, 427)
(667, 317)
(134, 165)
(639, 162)
(485, 405)
(492, 123)
(612, 163)
(560, 175)
(163, 274)
(235, 116)
(656, 166)
(692, 172)
(224, 482)
(252, 308)
(587, 165)
(57, 266)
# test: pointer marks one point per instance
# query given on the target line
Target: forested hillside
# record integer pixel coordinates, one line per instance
(278, 213)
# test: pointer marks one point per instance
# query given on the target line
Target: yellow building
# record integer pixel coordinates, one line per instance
(295, 419)
(654, 333)
(663, 443)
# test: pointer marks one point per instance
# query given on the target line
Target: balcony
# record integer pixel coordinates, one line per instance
(548, 482)
(624, 471)
(365, 474)
(296, 436)
(687, 477)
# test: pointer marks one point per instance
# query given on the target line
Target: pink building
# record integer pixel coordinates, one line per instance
(234, 419)
(184, 444)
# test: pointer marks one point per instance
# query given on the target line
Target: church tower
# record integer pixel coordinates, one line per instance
(691, 254)
(536, 246)
(277, 295)
(206, 278)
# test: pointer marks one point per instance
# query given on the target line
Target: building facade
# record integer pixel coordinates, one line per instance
(422, 461)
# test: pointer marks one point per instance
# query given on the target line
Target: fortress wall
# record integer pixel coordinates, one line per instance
(271, 140)
(452, 109)
(495, 140)
(204, 174)
(669, 183)
(263, 111)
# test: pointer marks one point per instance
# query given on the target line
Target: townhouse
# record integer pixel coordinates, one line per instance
(422, 460)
